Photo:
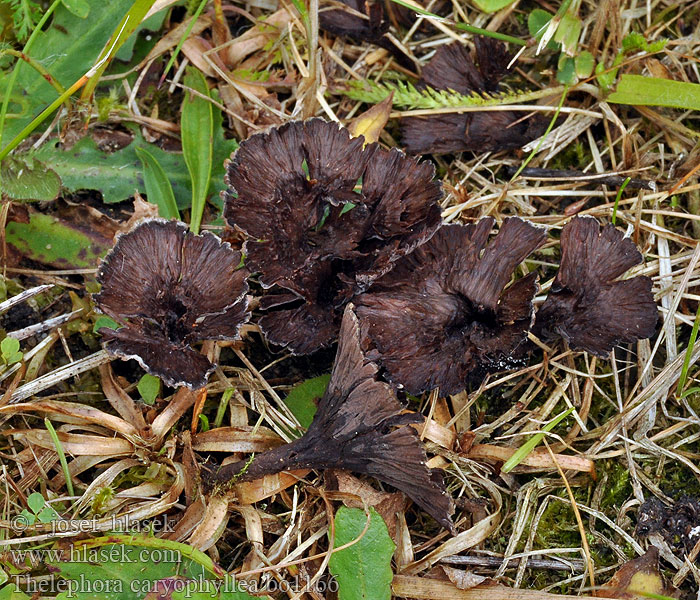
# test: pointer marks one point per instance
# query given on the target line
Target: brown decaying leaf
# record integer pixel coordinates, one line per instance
(638, 579)
(169, 289)
(452, 68)
(441, 317)
(315, 233)
(359, 427)
(587, 305)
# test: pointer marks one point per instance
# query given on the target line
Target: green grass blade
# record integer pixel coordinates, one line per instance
(197, 128)
(15, 70)
(688, 354)
(638, 90)
(158, 187)
(544, 136)
(617, 199)
(61, 456)
(123, 31)
(529, 446)
(184, 37)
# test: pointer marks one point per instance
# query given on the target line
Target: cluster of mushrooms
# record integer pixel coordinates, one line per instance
(347, 243)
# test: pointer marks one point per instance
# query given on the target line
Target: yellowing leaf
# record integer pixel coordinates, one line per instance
(638, 579)
(371, 122)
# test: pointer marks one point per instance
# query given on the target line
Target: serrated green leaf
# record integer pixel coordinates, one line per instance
(303, 399)
(197, 130)
(9, 346)
(116, 175)
(51, 241)
(633, 41)
(25, 178)
(80, 8)
(119, 174)
(407, 96)
(149, 388)
(158, 188)
(363, 570)
(638, 90)
(67, 49)
(490, 6)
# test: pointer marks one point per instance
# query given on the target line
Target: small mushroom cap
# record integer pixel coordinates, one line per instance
(453, 68)
(169, 288)
(324, 217)
(359, 426)
(587, 305)
(442, 317)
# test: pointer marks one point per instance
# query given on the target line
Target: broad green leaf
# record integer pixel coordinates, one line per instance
(80, 8)
(12, 592)
(122, 32)
(303, 399)
(158, 188)
(117, 175)
(584, 64)
(197, 129)
(51, 241)
(68, 48)
(153, 23)
(25, 178)
(9, 346)
(568, 32)
(537, 22)
(104, 321)
(566, 72)
(36, 502)
(363, 570)
(14, 358)
(490, 6)
(149, 388)
(155, 568)
(638, 90)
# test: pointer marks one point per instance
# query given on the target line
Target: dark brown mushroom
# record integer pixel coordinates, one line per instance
(452, 68)
(363, 21)
(324, 217)
(359, 427)
(169, 289)
(441, 317)
(587, 305)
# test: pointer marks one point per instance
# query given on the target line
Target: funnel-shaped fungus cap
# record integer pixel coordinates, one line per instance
(359, 426)
(441, 317)
(324, 217)
(586, 305)
(168, 289)
(452, 68)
